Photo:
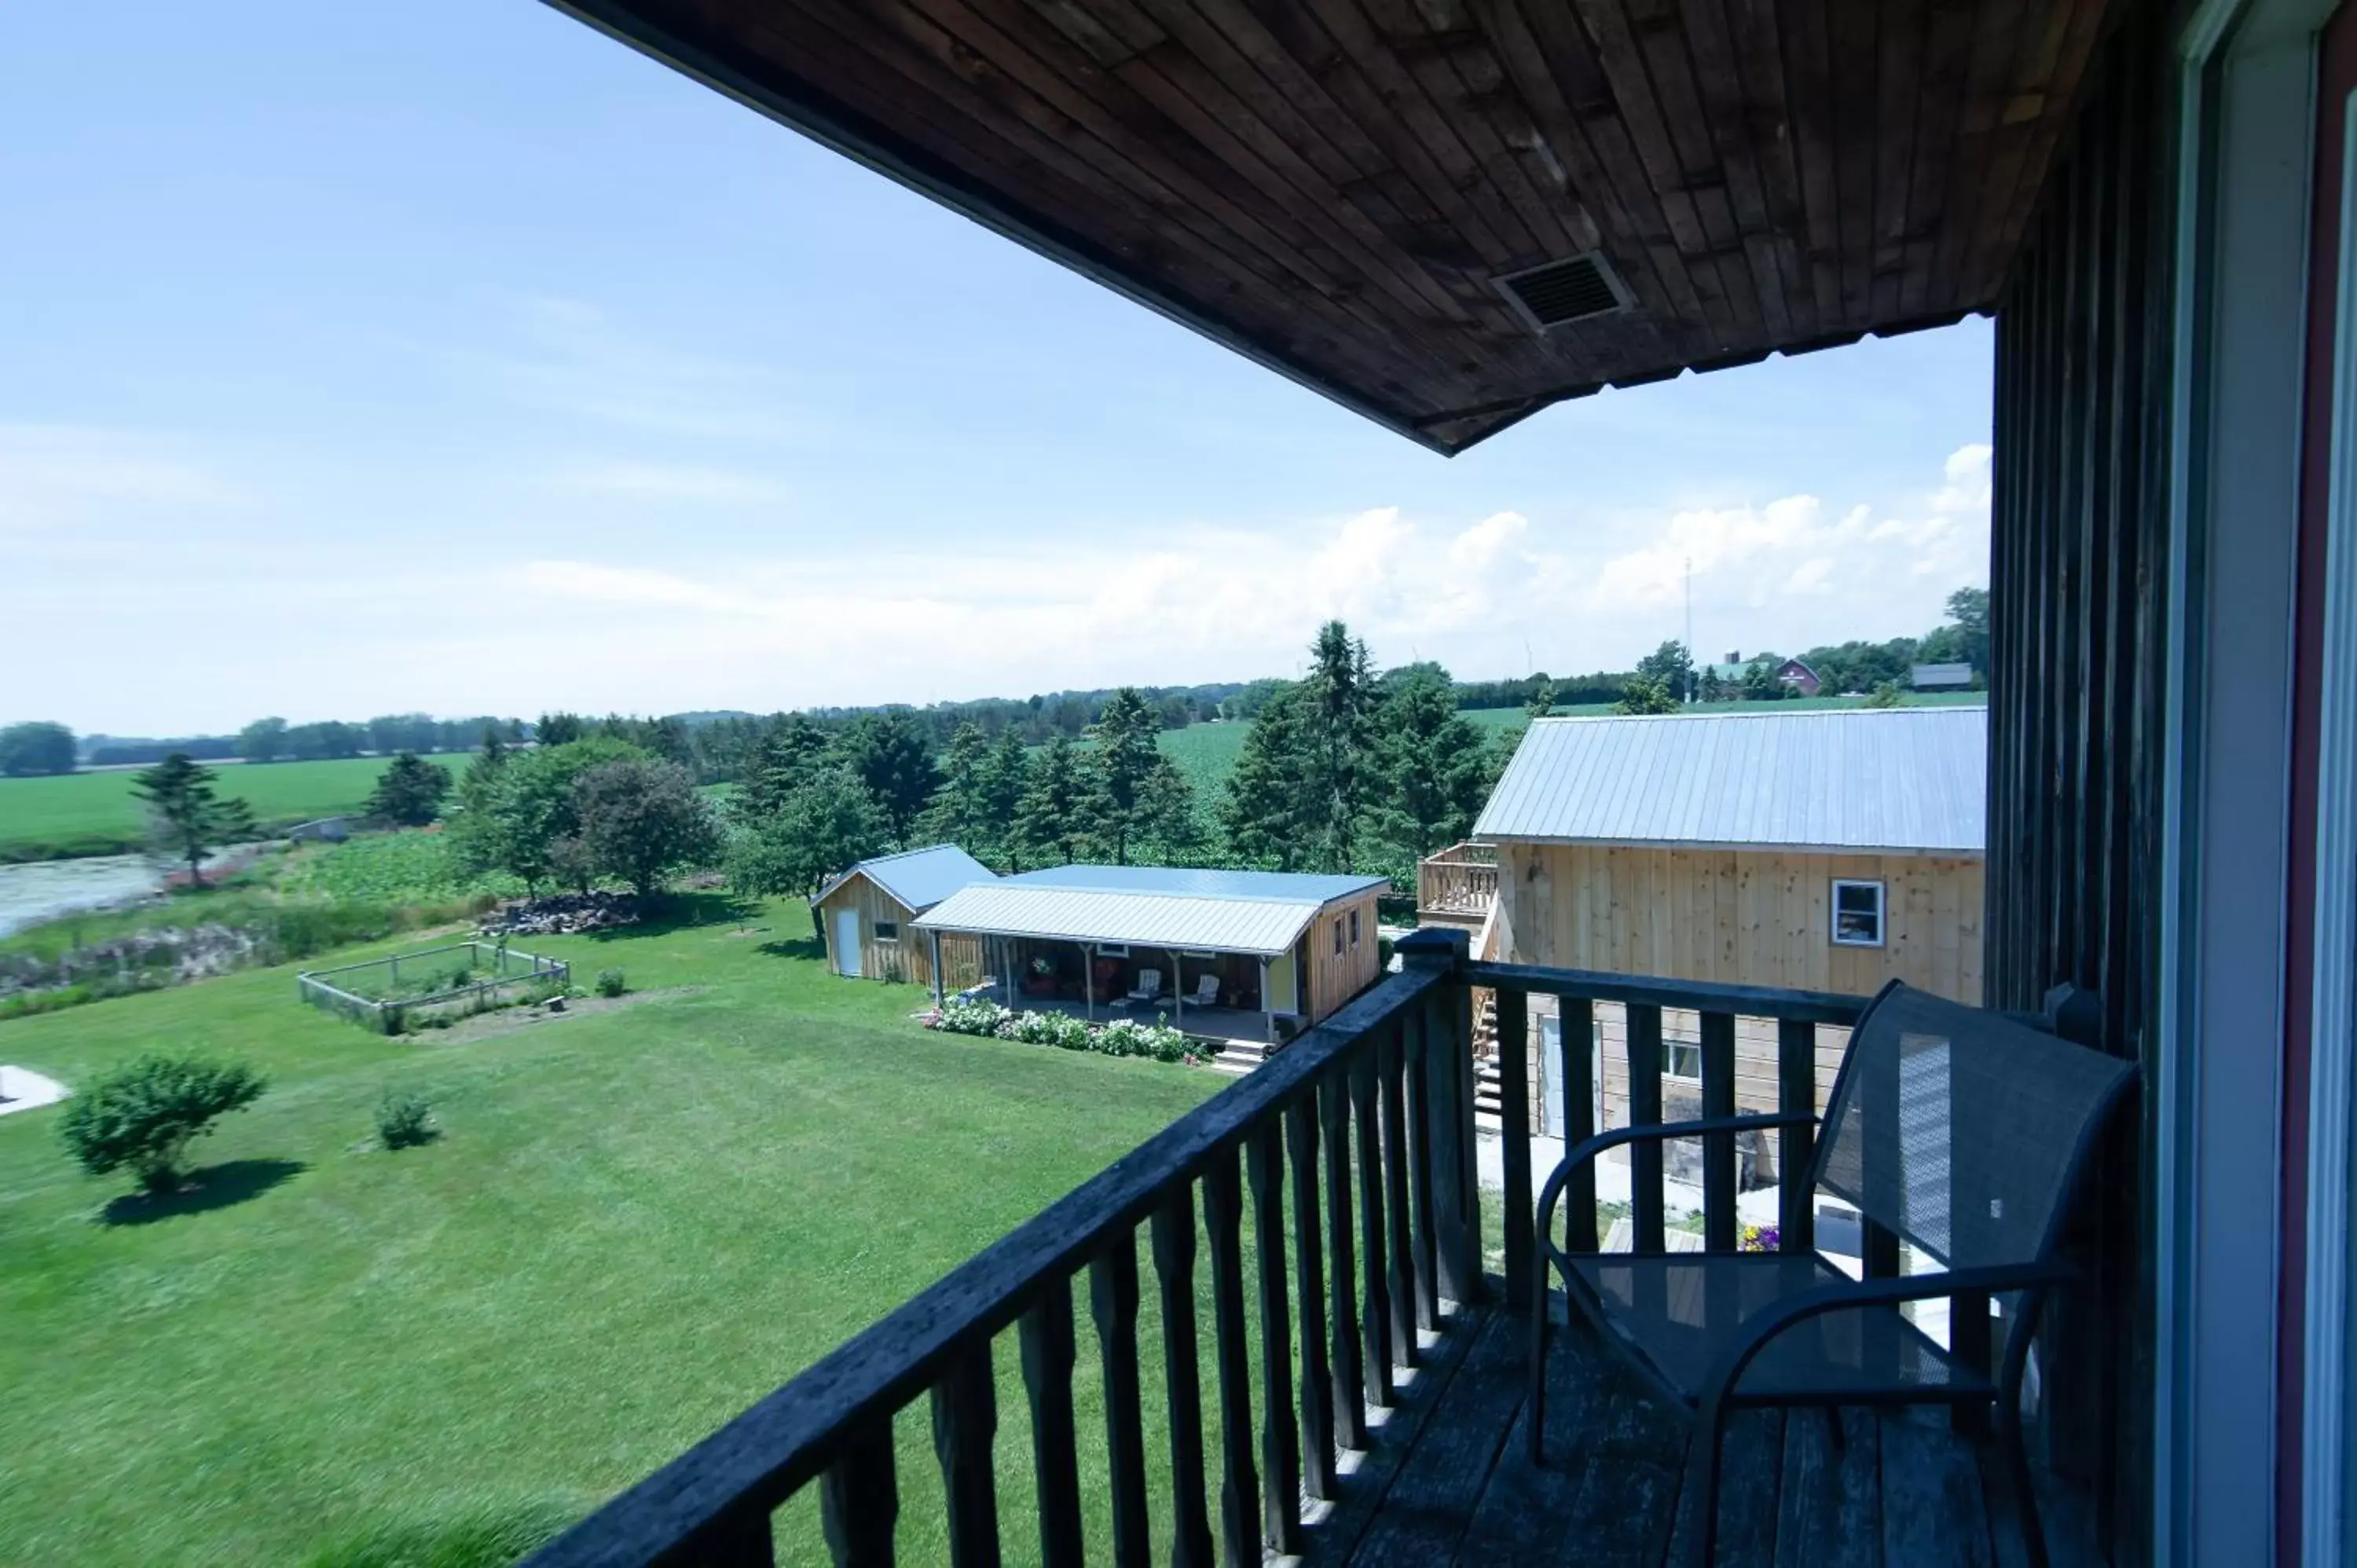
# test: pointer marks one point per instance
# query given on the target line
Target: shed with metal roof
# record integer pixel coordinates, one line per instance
(864, 913)
(1291, 947)
(1828, 850)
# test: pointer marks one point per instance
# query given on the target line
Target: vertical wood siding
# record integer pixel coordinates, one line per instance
(2079, 535)
(911, 959)
(1760, 918)
(1335, 980)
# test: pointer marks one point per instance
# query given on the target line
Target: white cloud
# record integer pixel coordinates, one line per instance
(50, 473)
(1967, 488)
(692, 483)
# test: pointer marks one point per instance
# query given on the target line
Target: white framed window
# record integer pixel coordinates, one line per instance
(888, 930)
(1112, 950)
(1682, 1059)
(1857, 914)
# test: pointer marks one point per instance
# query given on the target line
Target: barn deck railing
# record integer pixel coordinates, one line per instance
(1335, 1192)
(1460, 880)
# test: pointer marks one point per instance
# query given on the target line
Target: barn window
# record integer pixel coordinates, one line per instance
(1682, 1059)
(1338, 936)
(1857, 914)
(888, 930)
(1354, 927)
(1112, 950)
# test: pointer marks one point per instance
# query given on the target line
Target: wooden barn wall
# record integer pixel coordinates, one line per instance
(2079, 533)
(1758, 918)
(1334, 979)
(911, 959)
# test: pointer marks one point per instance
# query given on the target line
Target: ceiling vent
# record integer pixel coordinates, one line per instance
(1564, 291)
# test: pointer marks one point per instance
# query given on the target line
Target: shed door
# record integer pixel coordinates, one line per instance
(846, 942)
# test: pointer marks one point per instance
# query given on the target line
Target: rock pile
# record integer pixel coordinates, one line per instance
(562, 914)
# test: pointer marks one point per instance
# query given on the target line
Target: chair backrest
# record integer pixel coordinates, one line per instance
(1149, 981)
(1960, 1129)
(1207, 987)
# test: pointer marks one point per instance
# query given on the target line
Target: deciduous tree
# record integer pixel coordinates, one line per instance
(641, 820)
(144, 1115)
(263, 740)
(36, 747)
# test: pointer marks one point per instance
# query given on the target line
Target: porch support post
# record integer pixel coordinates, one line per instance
(1088, 984)
(936, 937)
(1448, 1067)
(1267, 1004)
(1178, 989)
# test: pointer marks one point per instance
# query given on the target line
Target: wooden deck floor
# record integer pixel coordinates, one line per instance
(1450, 1480)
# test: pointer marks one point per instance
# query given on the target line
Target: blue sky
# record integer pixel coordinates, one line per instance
(451, 356)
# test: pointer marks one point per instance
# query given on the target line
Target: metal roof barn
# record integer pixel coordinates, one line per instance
(918, 878)
(1272, 887)
(1904, 780)
(1256, 912)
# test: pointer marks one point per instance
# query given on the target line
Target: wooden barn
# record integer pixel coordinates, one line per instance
(1819, 851)
(1241, 955)
(864, 914)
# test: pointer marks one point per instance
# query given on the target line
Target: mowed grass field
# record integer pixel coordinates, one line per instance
(637, 1222)
(95, 813)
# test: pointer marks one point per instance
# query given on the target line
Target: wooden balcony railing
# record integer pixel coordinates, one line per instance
(1353, 1151)
(1461, 880)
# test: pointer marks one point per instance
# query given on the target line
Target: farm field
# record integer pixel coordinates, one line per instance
(95, 813)
(636, 1222)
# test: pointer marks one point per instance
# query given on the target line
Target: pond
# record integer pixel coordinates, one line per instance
(42, 889)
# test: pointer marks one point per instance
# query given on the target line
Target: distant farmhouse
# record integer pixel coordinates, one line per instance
(866, 912)
(1734, 669)
(1821, 851)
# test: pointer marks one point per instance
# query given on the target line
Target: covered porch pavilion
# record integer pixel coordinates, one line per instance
(1213, 994)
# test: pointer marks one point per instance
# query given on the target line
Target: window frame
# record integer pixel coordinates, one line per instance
(884, 931)
(1354, 927)
(1338, 936)
(1881, 912)
(1112, 950)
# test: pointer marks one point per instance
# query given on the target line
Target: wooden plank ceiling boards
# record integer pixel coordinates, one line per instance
(1335, 187)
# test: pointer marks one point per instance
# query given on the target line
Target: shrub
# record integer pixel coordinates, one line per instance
(1127, 1037)
(405, 1120)
(977, 1017)
(1058, 1029)
(609, 983)
(144, 1114)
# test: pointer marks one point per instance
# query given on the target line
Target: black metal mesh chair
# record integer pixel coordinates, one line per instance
(1964, 1132)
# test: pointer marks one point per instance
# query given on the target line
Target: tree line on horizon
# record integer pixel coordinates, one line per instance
(720, 747)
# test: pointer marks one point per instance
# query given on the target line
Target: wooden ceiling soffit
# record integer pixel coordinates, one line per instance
(1447, 214)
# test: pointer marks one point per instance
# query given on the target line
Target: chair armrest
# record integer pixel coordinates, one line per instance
(1846, 1293)
(1587, 1149)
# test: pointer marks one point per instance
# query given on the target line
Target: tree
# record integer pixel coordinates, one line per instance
(958, 812)
(191, 819)
(892, 756)
(1053, 819)
(558, 729)
(1886, 695)
(145, 1113)
(36, 747)
(526, 812)
(1965, 639)
(1713, 688)
(263, 740)
(1760, 680)
(409, 791)
(1341, 695)
(824, 823)
(1127, 747)
(1268, 810)
(1434, 765)
(781, 761)
(642, 819)
(1005, 776)
(1670, 667)
(1647, 694)
(1167, 815)
(1542, 703)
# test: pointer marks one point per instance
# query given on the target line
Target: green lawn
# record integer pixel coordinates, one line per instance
(637, 1223)
(95, 813)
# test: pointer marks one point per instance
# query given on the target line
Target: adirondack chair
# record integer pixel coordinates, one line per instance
(1148, 987)
(1963, 1131)
(1206, 991)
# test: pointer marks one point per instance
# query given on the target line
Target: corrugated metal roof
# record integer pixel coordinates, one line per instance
(1012, 907)
(1186, 881)
(918, 878)
(1907, 779)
